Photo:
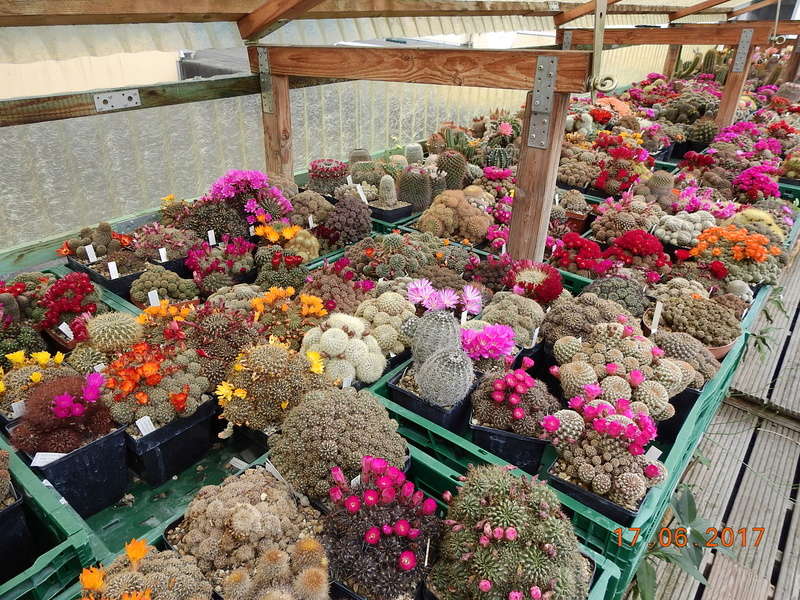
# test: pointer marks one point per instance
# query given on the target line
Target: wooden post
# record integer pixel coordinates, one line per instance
(734, 84)
(277, 116)
(790, 71)
(536, 184)
(671, 62)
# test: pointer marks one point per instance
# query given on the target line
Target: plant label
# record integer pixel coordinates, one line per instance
(41, 459)
(99, 367)
(347, 382)
(503, 249)
(652, 453)
(212, 237)
(113, 272)
(90, 253)
(427, 551)
(67, 331)
(355, 481)
(392, 354)
(152, 298)
(656, 317)
(252, 230)
(557, 199)
(311, 224)
(162, 254)
(349, 180)
(463, 317)
(145, 425)
(534, 337)
(274, 472)
(238, 464)
(360, 191)
(17, 409)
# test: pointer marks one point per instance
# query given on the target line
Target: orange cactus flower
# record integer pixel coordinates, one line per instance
(154, 379)
(370, 252)
(178, 400)
(91, 579)
(445, 242)
(64, 250)
(142, 398)
(123, 238)
(149, 368)
(136, 550)
(145, 595)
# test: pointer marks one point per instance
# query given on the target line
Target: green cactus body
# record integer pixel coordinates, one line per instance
(454, 165)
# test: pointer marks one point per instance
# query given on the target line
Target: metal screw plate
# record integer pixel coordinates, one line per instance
(567, 43)
(542, 102)
(116, 100)
(267, 99)
(742, 50)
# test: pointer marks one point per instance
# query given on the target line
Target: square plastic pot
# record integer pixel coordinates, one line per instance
(177, 266)
(520, 450)
(339, 591)
(453, 420)
(391, 215)
(16, 541)
(684, 403)
(91, 478)
(170, 449)
(121, 286)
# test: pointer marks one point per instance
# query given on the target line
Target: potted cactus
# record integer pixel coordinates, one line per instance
(16, 541)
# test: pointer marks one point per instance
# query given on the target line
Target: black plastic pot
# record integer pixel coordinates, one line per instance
(679, 149)
(566, 186)
(684, 402)
(121, 286)
(339, 591)
(604, 506)
(397, 359)
(177, 266)
(91, 478)
(520, 450)
(16, 541)
(453, 420)
(664, 154)
(174, 447)
(391, 215)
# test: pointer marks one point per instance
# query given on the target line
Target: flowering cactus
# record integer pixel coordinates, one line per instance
(220, 266)
(492, 342)
(422, 292)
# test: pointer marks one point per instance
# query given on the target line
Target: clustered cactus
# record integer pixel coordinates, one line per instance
(279, 267)
(382, 533)
(385, 315)
(626, 291)
(312, 440)
(684, 347)
(27, 373)
(149, 238)
(392, 255)
(683, 228)
(522, 314)
(351, 219)
(310, 204)
(538, 281)
(284, 317)
(415, 186)
(507, 537)
(336, 284)
(326, 174)
(708, 321)
(169, 285)
(101, 238)
(452, 216)
(236, 297)
(218, 266)
(615, 219)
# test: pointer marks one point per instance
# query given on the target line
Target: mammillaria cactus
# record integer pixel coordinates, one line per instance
(102, 238)
(63, 414)
(575, 202)
(617, 219)
(326, 174)
(287, 318)
(658, 188)
(248, 521)
(385, 316)
(113, 331)
(440, 277)
(312, 441)
(512, 400)
(279, 267)
(142, 570)
(265, 381)
(537, 281)
(578, 170)
(507, 538)
(17, 335)
(578, 316)
(149, 238)
(351, 218)
(351, 189)
(20, 296)
(413, 153)
(207, 214)
(218, 266)
(368, 171)
(169, 285)
(601, 448)
(518, 312)
(236, 297)
(28, 372)
(347, 348)
(678, 286)
(435, 330)
(579, 255)
(702, 131)
(285, 184)
(252, 195)
(391, 255)
(711, 323)
(414, 186)
(683, 228)
(746, 256)
(489, 346)
(309, 204)
(451, 215)
(336, 284)
(453, 163)
(683, 346)
(626, 291)
(157, 382)
(761, 221)
(443, 380)
(497, 181)
(305, 244)
(490, 272)
(67, 301)
(379, 532)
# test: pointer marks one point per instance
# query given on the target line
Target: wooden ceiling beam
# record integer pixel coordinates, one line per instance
(271, 15)
(751, 7)
(348, 9)
(505, 69)
(694, 8)
(578, 12)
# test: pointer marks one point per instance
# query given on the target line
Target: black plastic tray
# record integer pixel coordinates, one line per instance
(121, 286)
(174, 447)
(684, 402)
(521, 451)
(391, 215)
(16, 541)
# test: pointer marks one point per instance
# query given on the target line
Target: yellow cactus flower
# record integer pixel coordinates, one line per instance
(224, 392)
(145, 595)
(284, 404)
(316, 364)
(36, 377)
(168, 198)
(240, 393)
(17, 358)
(58, 358)
(274, 340)
(42, 358)
(238, 366)
(2, 386)
(91, 579)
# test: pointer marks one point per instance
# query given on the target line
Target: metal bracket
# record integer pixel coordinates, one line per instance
(265, 78)
(544, 80)
(566, 44)
(742, 50)
(116, 100)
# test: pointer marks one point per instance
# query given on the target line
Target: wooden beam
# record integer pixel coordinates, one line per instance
(577, 12)
(792, 68)
(19, 111)
(536, 184)
(734, 84)
(694, 8)
(18, 13)
(749, 8)
(673, 55)
(506, 69)
(271, 15)
(348, 9)
(278, 129)
(718, 33)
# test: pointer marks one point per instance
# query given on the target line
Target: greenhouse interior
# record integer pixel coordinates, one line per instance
(399, 300)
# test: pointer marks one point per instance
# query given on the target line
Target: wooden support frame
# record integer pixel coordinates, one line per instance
(734, 83)
(750, 8)
(671, 61)
(271, 15)
(695, 8)
(579, 11)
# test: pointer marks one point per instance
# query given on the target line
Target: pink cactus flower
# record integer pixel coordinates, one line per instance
(518, 413)
(413, 533)
(536, 593)
(352, 504)
(447, 496)
(371, 497)
(484, 585)
(402, 527)
(511, 534)
(515, 595)
(484, 541)
(498, 533)
(551, 423)
(372, 536)
(407, 560)
(652, 471)
(335, 494)
(527, 362)
(636, 377)
(554, 370)
(338, 476)
(387, 529)
(429, 505)
(612, 368)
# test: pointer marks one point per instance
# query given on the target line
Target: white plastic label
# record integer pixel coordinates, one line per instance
(557, 199)
(273, 471)
(162, 254)
(152, 298)
(349, 180)
(652, 453)
(145, 425)
(40, 459)
(355, 481)
(90, 253)
(392, 354)
(656, 317)
(347, 382)
(503, 249)
(67, 331)
(17, 409)
(427, 551)
(252, 230)
(212, 237)
(534, 336)
(311, 224)
(99, 367)
(113, 272)
(463, 317)
(238, 463)
(360, 191)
